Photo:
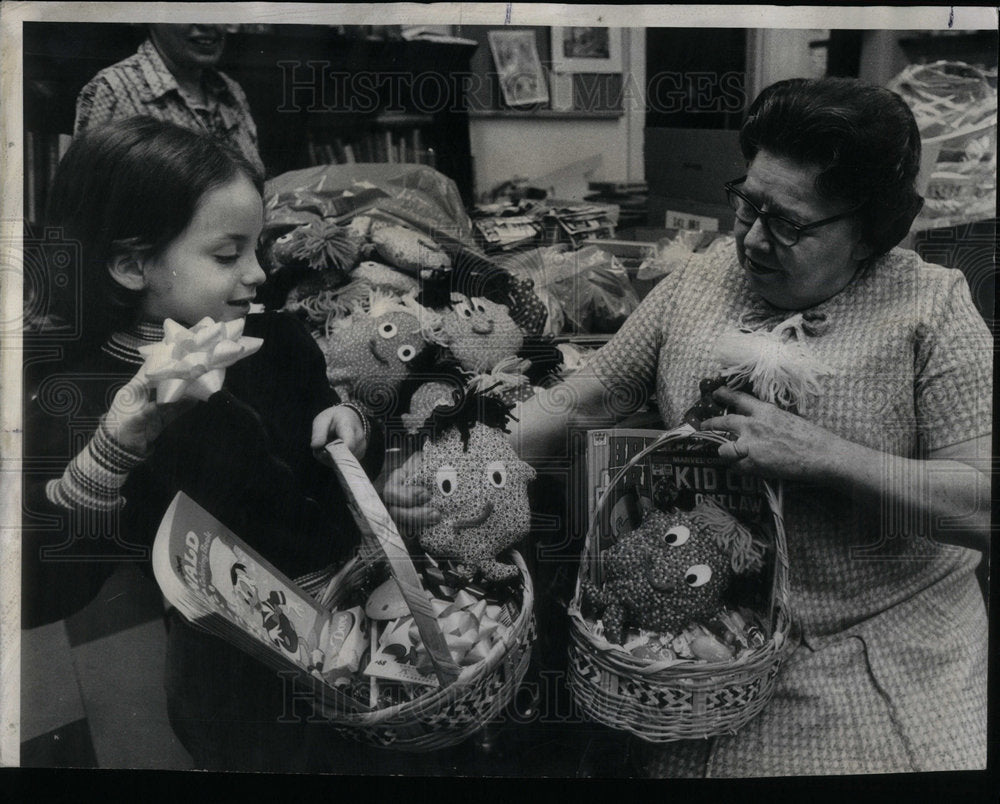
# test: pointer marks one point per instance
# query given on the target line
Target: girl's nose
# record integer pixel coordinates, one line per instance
(254, 274)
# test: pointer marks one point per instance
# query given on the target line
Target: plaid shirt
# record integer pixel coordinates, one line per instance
(142, 85)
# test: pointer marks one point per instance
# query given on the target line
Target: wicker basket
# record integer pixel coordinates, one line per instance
(689, 699)
(955, 106)
(466, 699)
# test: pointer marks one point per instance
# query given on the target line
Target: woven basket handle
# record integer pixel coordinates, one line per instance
(376, 525)
(773, 492)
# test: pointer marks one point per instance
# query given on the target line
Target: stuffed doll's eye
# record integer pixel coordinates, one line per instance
(406, 353)
(462, 309)
(698, 575)
(284, 238)
(447, 479)
(387, 330)
(480, 307)
(496, 474)
(677, 535)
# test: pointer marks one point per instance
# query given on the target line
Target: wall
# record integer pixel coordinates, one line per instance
(503, 148)
(774, 55)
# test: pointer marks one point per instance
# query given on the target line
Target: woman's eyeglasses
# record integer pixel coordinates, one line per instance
(781, 229)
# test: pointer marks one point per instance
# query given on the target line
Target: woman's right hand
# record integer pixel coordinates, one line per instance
(407, 503)
(135, 420)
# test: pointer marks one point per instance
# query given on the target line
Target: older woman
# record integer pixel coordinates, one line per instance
(885, 471)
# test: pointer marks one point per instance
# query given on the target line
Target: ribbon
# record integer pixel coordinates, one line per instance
(192, 362)
(471, 628)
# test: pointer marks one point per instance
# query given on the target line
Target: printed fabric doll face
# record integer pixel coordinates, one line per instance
(370, 351)
(673, 570)
(480, 333)
(481, 491)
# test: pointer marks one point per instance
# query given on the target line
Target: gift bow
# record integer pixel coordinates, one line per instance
(192, 362)
(469, 627)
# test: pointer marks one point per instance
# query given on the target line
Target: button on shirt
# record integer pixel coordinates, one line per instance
(142, 85)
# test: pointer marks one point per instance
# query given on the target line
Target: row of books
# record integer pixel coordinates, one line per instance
(42, 153)
(375, 146)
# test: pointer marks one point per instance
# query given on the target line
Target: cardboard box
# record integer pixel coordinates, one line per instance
(692, 162)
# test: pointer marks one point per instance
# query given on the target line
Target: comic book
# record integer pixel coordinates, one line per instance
(678, 472)
(220, 584)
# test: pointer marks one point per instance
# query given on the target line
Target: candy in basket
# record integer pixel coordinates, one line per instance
(680, 619)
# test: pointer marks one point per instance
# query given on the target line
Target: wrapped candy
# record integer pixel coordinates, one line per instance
(191, 363)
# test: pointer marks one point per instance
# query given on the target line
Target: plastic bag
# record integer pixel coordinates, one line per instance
(585, 291)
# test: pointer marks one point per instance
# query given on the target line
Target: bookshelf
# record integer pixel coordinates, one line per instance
(318, 94)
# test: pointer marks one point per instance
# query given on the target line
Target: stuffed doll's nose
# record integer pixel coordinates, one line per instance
(482, 326)
(660, 582)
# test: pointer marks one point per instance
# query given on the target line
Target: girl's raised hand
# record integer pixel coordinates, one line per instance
(135, 420)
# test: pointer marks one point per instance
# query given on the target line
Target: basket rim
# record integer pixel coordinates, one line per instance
(780, 620)
(439, 696)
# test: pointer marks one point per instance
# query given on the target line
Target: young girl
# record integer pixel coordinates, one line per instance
(165, 223)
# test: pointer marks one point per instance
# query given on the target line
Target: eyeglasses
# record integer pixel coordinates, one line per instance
(781, 229)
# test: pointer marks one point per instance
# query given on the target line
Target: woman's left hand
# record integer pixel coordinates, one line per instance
(343, 422)
(770, 441)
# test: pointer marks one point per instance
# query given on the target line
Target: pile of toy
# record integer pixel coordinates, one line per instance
(391, 294)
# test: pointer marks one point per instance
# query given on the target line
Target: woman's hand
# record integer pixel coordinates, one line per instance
(407, 504)
(773, 442)
(950, 489)
(343, 422)
(135, 420)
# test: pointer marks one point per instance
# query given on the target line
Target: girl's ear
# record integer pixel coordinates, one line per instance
(126, 269)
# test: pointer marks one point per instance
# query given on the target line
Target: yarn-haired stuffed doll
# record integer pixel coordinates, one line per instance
(478, 484)
(673, 570)
(373, 349)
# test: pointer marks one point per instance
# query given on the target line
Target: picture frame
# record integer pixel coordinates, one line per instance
(586, 49)
(522, 80)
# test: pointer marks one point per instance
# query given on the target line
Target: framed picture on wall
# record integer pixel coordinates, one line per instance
(586, 49)
(519, 68)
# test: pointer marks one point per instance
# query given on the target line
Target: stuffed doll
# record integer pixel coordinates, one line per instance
(372, 350)
(673, 570)
(306, 260)
(410, 251)
(478, 484)
(479, 333)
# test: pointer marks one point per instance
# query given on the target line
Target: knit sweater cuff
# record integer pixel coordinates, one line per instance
(94, 478)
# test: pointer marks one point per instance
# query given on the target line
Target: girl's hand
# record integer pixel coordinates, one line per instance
(407, 504)
(343, 422)
(135, 420)
(773, 442)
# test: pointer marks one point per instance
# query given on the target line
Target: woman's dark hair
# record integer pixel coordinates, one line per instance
(131, 186)
(863, 137)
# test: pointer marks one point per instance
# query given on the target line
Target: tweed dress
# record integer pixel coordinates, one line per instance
(890, 675)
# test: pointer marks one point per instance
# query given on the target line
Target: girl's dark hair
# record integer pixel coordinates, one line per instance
(863, 137)
(131, 186)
